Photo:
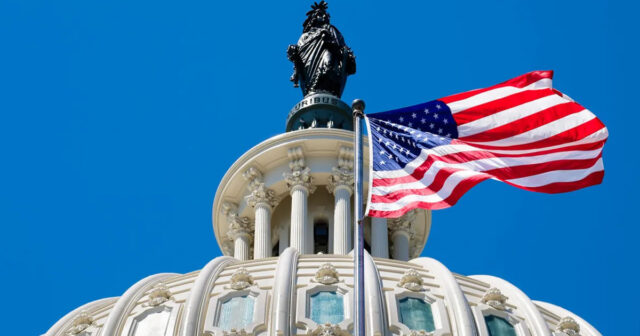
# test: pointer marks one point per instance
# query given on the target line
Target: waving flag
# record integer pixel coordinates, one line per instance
(522, 132)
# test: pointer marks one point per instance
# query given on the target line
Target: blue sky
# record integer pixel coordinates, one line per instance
(119, 118)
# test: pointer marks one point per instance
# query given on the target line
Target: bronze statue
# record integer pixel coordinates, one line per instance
(321, 59)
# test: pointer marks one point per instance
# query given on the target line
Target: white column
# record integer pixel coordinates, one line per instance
(401, 231)
(341, 186)
(262, 245)
(241, 247)
(400, 240)
(263, 200)
(341, 220)
(379, 238)
(240, 231)
(298, 237)
(284, 237)
(300, 183)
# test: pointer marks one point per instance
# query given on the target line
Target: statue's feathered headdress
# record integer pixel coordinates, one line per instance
(316, 8)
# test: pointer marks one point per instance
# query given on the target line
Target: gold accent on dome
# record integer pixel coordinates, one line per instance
(494, 298)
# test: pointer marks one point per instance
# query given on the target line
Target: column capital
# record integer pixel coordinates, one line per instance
(300, 178)
(342, 176)
(259, 193)
(402, 224)
(238, 226)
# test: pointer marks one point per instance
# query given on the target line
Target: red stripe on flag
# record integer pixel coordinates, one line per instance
(498, 105)
(520, 82)
(526, 124)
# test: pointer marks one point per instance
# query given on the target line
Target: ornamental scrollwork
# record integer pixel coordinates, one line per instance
(300, 175)
(258, 192)
(568, 326)
(159, 295)
(80, 323)
(234, 332)
(241, 279)
(327, 274)
(420, 333)
(411, 280)
(494, 298)
(342, 175)
(238, 226)
(329, 329)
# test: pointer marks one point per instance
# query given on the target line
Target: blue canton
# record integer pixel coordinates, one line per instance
(398, 136)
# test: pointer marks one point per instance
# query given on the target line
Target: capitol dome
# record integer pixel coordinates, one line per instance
(281, 216)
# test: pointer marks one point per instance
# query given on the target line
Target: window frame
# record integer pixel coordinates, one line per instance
(481, 310)
(214, 310)
(438, 311)
(303, 308)
(170, 305)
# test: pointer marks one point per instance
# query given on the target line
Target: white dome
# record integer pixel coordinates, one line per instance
(281, 292)
(292, 193)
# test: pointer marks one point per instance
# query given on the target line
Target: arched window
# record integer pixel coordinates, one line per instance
(497, 326)
(416, 314)
(236, 313)
(326, 307)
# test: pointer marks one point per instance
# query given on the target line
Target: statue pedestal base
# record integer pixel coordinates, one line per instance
(320, 110)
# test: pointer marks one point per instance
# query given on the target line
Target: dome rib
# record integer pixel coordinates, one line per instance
(194, 307)
(530, 311)
(561, 312)
(284, 282)
(374, 298)
(465, 324)
(61, 325)
(127, 300)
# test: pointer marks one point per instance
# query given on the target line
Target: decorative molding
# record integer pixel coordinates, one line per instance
(327, 275)
(420, 333)
(494, 298)
(241, 279)
(300, 175)
(227, 246)
(235, 332)
(329, 329)
(568, 326)
(342, 174)
(258, 192)
(80, 323)
(403, 223)
(159, 294)
(238, 226)
(411, 280)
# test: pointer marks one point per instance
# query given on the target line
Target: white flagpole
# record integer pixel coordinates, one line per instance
(358, 226)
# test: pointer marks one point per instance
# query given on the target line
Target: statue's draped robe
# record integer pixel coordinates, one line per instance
(324, 61)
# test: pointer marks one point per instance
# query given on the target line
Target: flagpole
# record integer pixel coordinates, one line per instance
(358, 226)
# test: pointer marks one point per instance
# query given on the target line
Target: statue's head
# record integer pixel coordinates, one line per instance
(317, 16)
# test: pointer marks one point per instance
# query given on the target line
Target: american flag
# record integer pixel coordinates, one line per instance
(521, 132)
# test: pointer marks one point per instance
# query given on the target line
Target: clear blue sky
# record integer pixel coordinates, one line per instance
(119, 118)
